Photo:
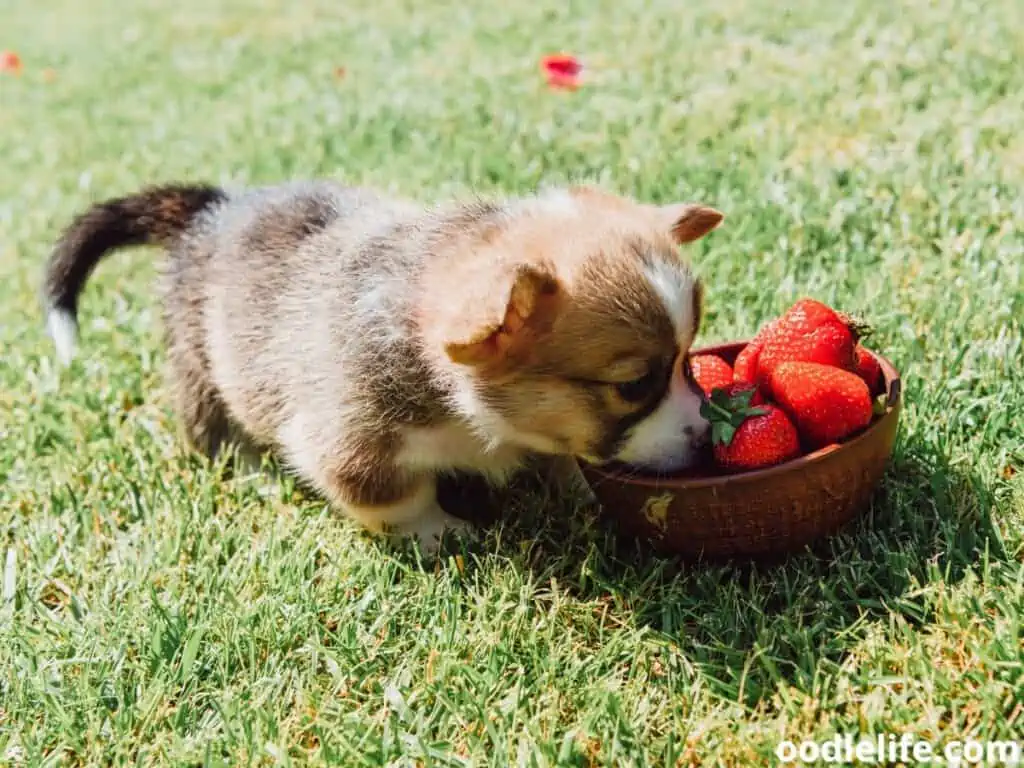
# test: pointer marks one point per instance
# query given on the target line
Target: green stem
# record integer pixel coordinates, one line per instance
(719, 410)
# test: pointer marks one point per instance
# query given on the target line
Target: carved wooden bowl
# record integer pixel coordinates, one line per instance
(765, 512)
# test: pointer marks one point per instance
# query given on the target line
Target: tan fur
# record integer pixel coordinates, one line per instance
(607, 323)
(374, 345)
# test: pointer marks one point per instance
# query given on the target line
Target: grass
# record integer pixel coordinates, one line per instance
(867, 153)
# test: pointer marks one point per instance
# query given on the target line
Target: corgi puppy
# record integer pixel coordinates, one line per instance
(373, 344)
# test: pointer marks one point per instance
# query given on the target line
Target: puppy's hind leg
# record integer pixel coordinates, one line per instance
(203, 416)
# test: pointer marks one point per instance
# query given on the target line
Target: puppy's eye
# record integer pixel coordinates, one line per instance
(638, 390)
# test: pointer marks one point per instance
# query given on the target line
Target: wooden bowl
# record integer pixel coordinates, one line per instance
(765, 512)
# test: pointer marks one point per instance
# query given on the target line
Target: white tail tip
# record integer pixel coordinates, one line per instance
(63, 328)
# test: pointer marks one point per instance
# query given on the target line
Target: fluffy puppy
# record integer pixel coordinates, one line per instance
(373, 344)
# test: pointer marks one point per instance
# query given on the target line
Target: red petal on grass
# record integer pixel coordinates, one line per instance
(10, 62)
(562, 70)
(339, 73)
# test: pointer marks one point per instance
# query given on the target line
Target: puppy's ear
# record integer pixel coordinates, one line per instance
(532, 298)
(689, 221)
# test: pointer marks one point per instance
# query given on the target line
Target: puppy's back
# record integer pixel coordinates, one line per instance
(300, 298)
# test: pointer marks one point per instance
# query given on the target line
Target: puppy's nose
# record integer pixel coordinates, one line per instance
(698, 437)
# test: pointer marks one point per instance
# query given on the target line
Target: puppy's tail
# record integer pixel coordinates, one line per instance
(153, 216)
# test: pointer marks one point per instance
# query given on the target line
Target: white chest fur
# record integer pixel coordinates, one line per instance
(455, 446)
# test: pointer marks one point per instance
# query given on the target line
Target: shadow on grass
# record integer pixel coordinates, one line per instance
(750, 626)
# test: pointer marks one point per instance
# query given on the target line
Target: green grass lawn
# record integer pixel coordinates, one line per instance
(868, 153)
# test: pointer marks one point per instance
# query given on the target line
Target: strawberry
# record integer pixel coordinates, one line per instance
(809, 332)
(826, 403)
(744, 437)
(738, 388)
(869, 370)
(807, 315)
(745, 367)
(710, 372)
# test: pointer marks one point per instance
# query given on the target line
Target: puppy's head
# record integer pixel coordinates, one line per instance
(564, 326)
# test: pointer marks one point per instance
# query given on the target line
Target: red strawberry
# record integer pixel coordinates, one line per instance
(807, 315)
(745, 368)
(829, 345)
(808, 332)
(869, 370)
(738, 388)
(743, 437)
(826, 403)
(710, 372)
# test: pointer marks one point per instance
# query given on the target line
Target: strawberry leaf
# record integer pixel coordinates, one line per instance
(742, 398)
(727, 411)
(722, 432)
(859, 327)
(715, 411)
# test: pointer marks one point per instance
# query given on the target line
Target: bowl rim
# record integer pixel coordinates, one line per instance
(894, 390)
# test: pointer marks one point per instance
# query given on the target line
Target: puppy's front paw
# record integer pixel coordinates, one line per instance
(416, 515)
(568, 482)
(430, 529)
